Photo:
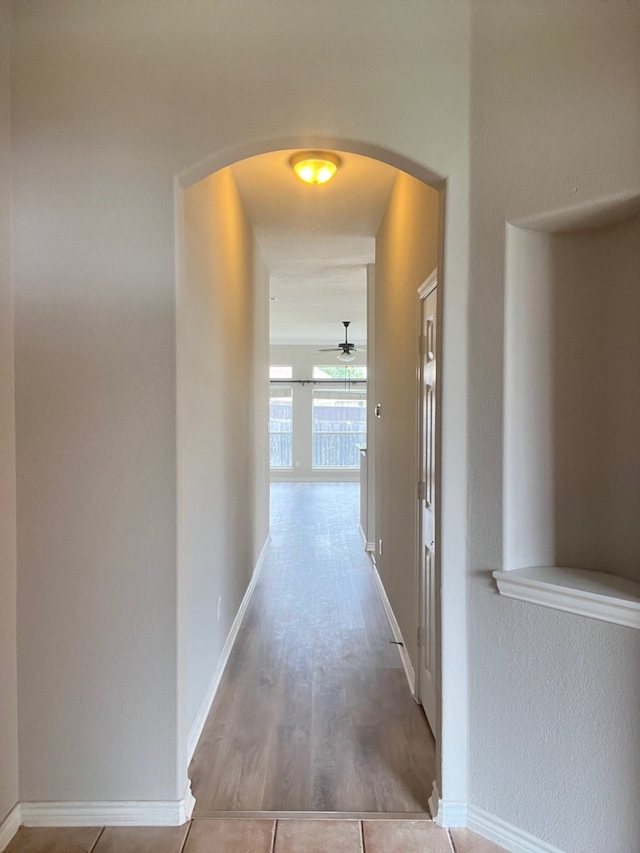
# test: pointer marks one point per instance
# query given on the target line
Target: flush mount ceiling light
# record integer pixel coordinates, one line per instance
(315, 167)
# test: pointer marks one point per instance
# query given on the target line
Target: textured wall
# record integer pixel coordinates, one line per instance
(260, 384)
(8, 675)
(110, 101)
(572, 399)
(555, 121)
(223, 282)
(406, 254)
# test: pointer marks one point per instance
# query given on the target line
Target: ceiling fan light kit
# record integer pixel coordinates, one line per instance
(345, 350)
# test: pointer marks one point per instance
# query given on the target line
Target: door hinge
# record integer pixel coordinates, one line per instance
(419, 633)
(422, 490)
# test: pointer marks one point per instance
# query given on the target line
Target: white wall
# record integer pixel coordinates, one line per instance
(109, 103)
(371, 404)
(553, 697)
(406, 254)
(572, 399)
(302, 358)
(223, 492)
(8, 674)
(261, 358)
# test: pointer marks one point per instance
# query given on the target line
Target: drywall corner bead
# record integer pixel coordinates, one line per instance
(448, 814)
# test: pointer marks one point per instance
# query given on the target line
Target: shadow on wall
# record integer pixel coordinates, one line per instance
(572, 399)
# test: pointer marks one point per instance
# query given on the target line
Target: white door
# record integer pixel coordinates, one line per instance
(427, 501)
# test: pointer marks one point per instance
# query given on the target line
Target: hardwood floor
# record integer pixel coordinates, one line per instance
(313, 712)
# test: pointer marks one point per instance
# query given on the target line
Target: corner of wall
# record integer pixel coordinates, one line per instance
(8, 554)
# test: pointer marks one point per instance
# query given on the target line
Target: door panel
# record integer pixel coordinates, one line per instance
(427, 499)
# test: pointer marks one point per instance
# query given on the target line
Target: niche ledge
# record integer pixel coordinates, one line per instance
(581, 591)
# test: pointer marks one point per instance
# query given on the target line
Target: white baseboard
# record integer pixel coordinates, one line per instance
(447, 813)
(453, 815)
(395, 630)
(110, 813)
(195, 730)
(9, 826)
(369, 547)
(506, 834)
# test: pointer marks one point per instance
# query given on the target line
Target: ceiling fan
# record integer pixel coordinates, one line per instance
(347, 351)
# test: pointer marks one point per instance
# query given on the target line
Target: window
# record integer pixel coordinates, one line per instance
(280, 371)
(339, 427)
(339, 372)
(281, 428)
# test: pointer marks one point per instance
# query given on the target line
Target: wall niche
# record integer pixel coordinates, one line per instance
(572, 400)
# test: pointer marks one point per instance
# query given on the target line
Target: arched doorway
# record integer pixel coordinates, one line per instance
(219, 163)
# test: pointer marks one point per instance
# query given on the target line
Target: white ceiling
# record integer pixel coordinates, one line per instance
(316, 242)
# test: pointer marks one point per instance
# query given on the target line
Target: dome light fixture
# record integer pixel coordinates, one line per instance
(315, 167)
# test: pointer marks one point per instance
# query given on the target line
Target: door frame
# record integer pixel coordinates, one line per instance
(426, 288)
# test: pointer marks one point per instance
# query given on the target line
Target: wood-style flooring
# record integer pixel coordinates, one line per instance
(313, 712)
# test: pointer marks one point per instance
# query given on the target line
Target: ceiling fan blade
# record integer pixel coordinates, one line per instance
(330, 349)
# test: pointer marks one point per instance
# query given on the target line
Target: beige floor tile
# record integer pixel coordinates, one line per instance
(405, 836)
(142, 839)
(59, 840)
(318, 836)
(230, 836)
(465, 841)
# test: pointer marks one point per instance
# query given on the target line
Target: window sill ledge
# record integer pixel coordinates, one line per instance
(580, 591)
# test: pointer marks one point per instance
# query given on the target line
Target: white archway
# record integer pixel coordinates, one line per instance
(448, 801)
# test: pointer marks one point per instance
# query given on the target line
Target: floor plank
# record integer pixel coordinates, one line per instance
(313, 712)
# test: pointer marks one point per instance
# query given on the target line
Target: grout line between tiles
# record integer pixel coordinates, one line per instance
(95, 843)
(186, 835)
(273, 837)
(362, 836)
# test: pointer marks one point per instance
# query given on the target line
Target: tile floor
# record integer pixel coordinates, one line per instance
(261, 835)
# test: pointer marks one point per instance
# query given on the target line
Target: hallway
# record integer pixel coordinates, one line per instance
(313, 712)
